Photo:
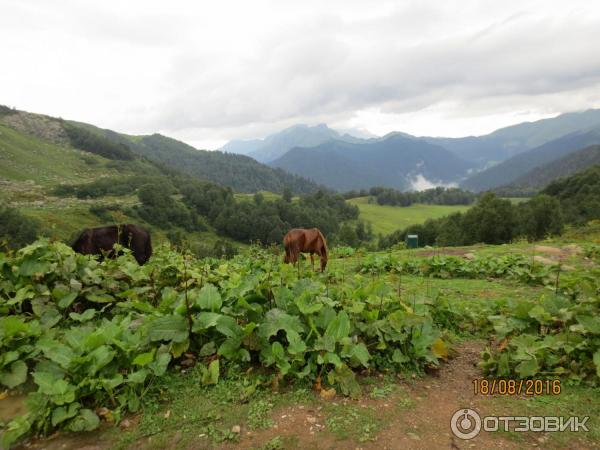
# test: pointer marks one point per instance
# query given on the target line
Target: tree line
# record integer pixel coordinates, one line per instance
(85, 140)
(492, 220)
(434, 196)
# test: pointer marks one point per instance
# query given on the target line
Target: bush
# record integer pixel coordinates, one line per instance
(103, 212)
(16, 230)
(540, 217)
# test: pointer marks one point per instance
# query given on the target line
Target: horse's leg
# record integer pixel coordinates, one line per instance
(312, 261)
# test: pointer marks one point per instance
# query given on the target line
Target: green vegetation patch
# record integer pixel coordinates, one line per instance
(386, 219)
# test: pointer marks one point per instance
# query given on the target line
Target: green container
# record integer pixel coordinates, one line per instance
(412, 240)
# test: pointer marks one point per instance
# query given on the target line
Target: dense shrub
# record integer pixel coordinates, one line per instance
(16, 230)
(579, 195)
(116, 186)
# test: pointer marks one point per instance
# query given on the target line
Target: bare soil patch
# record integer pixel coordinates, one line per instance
(446, 251)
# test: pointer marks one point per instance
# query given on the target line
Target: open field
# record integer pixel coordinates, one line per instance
(386, 219)
(517, 200)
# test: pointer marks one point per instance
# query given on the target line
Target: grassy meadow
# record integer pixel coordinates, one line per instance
(386, 219)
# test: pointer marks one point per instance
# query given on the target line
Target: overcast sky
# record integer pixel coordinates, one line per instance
(209, 71)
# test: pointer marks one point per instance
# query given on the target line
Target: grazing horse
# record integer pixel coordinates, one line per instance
(100, 241)
(300, 240)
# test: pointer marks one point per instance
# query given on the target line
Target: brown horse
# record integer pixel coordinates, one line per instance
(100, 241)
(300, 240)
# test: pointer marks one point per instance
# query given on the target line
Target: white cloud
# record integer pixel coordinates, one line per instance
(420, 183)
(207, 72)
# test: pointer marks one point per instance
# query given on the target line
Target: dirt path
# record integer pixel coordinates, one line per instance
(417, 416)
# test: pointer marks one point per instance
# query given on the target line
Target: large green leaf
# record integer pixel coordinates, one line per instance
(528, 368)
(205, 320)
(358, 354)
(62, 413)
(211, 375)
(88, 314)
(307, 304)
(15, 375)
(58, 389)
(280, 359)
(168, 328)
(144, 358)
(32, 265)
(100, 357)
(209, 298)
(346, 379)
(297, 345)
(66, 301)
(57, 352)
(339, 327)
(591, 323)
(160, 364)
(87, 420)
(276, 320)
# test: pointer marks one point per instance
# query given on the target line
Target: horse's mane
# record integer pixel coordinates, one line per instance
(324, 241)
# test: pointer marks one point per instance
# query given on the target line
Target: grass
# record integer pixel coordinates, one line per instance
(24, 157)
(386, 219)
(517, 200)
(577, 401)
(348, 421)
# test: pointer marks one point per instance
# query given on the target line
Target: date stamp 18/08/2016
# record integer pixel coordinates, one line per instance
(504, 386)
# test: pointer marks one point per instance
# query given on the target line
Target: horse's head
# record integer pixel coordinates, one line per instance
(84, 244)
(323, 261)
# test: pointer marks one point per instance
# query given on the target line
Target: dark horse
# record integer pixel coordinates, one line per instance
(100, 241)
(300, 240)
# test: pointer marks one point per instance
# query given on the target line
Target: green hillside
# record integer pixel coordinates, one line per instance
(518, 166)
(241, 173)
(36, 158)
(386, 219)
(579, 195)
(27, 158)
(538, 178)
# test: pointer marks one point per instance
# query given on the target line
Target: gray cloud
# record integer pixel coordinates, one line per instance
(234, 71)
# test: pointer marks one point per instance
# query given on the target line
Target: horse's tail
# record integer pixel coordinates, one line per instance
(287, 248)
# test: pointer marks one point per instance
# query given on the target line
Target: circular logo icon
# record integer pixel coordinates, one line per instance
(465, 424)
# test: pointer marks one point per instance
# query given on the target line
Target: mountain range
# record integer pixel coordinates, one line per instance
(395, 161)
(276, 145)
(536, 179)
(517, 166)
(342, 162)
(305, 158)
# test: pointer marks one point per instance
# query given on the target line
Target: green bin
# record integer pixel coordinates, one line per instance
(412, 240)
